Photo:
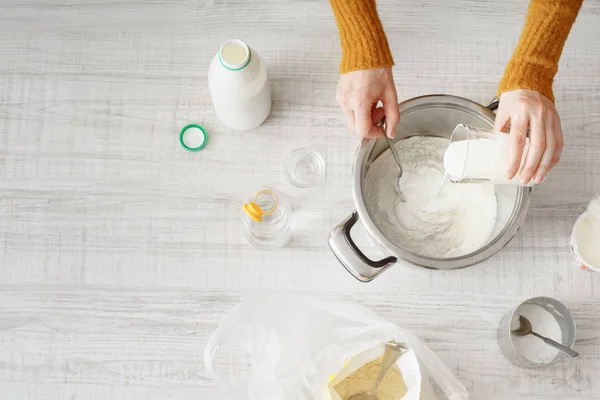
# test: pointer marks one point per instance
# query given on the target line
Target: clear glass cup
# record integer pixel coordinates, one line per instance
(480, 155)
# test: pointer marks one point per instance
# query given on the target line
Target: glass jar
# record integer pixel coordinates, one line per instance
(480, 155)
(267, 220)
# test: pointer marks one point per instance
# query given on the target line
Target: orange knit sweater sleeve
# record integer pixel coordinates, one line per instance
(535, 60)
(532, 66)
(364, 44)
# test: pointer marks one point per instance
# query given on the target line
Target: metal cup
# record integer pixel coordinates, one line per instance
(557, 309)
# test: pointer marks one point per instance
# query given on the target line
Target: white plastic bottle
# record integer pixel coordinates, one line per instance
(239, 86)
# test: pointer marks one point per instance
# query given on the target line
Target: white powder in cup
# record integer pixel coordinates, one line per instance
(543, 323)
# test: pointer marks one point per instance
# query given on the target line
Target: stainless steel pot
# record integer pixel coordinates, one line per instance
(435, 115)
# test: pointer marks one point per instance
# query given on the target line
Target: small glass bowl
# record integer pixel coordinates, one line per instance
(304, 168)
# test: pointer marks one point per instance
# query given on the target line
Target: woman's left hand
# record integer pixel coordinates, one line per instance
(522, 109)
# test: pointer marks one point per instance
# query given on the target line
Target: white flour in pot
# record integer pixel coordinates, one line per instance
(451, 222)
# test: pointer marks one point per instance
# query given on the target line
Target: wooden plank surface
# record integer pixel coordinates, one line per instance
(120, 252)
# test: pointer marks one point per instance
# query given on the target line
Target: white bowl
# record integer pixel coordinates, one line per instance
(581, 250)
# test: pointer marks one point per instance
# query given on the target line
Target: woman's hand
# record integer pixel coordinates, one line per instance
(358, 93)
(522, 109)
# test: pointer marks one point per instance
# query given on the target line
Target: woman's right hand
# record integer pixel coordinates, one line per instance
(358, 93)
(524, 109)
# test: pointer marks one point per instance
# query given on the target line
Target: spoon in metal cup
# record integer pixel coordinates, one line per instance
(525, 329)
(395, 154)
(392, 352)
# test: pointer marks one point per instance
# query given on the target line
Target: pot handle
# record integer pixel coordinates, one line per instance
(351, 257)
(493, 106)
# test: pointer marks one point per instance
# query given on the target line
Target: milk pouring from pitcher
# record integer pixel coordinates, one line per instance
(239, 86)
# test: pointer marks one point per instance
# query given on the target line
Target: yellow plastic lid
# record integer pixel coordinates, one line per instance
(254, 211)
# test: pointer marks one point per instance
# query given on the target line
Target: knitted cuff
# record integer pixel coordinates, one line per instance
(535, 60)
(522, 74)
(364, 44)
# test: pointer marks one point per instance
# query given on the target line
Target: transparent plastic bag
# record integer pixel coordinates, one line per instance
(289, 347)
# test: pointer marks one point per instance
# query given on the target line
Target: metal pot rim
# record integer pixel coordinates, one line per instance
(501, 240)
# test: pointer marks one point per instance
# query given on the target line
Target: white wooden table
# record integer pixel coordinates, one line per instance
(120, 252)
